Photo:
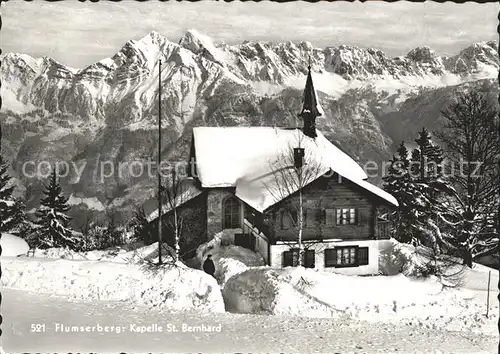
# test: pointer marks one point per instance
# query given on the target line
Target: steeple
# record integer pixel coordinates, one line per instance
(311, 108)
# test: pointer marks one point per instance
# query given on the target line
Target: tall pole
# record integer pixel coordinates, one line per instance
(158, 167)
(488, 296)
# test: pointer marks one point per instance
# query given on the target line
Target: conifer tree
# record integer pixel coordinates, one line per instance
(429, 179)
(53, 222)
(112, 236)
(140, 226)
(411, 198)
(11, 210)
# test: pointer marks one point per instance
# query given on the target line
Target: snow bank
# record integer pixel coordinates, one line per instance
(305, 292)
(13, 245)
(170, 288)
(132, 253)
(229, 259)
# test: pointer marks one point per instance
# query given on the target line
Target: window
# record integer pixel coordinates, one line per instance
(346, 256)
(347, 216)
(291, 258)
(232, 213)
(289, 219)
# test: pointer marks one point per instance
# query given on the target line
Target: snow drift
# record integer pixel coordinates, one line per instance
(116, 274)
(400, 299)
(170, 288)
(12, 245)
(131, 253)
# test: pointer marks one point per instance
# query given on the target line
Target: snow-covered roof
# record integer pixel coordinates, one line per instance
(245, 158)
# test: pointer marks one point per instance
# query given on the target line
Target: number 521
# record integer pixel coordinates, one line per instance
(37, 327)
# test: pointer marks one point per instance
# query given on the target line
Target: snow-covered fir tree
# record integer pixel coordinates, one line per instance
(399, 183)
(12, 214)
(429, 179)
(53, 230)
(426, 164)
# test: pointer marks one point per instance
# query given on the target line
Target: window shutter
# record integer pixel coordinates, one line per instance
(309, 261)
(363, 255)
(359, 218)
(330, 257)
(329, 217)
(287, 259)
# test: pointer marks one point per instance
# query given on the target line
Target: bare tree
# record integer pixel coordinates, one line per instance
(473, 147)
(174, 195)
(85, 228)
(183, 222)
(294, 169)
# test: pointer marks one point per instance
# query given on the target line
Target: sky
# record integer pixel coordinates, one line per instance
(79, 34)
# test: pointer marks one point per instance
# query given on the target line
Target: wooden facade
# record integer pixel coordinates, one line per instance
(323, 201)
(193, 214)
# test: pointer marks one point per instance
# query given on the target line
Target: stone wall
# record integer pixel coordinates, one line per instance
(214, 210)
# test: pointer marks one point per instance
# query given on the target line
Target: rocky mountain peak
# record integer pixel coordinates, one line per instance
(108, 110)
(423, 55)
(201, 44)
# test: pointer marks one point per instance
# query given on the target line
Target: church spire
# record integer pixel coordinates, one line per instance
(311, 107)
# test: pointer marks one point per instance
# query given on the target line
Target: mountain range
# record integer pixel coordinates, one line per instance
(107, 112)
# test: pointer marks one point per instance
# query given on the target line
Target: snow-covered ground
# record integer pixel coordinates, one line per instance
(371, 312)
(238, 333)
(387, 299)
(12, 245)
(399, 298)
(114, 275)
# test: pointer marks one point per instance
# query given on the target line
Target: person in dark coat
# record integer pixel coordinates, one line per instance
(209, 266)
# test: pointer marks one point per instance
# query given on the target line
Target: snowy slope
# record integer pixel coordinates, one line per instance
(169, 288)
